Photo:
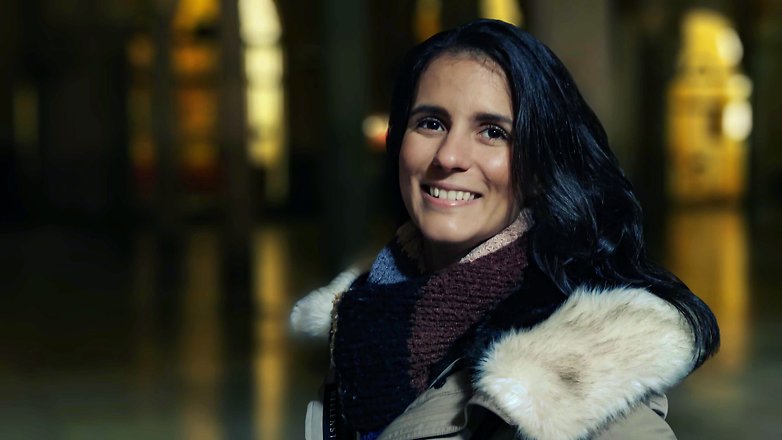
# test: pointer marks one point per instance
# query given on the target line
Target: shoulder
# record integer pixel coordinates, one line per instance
(595, 359)
(644, 422)
(456, 411)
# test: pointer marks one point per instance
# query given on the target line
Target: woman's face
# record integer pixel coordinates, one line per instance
(454, 163)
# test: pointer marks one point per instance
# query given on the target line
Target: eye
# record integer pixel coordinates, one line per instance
(494, 133)
(430, 124)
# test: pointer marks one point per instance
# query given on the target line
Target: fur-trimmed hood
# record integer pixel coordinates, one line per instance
(593, 359)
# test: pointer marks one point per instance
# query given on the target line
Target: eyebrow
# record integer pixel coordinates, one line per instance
(439, 111)
(493, 117)
(429, 109)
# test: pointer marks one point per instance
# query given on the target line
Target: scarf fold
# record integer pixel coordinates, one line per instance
(398, 327)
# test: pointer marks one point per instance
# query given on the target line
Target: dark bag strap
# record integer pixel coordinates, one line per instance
(331, 412)
(334, 425)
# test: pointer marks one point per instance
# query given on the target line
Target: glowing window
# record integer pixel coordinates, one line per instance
(263, 56)
(709, 113)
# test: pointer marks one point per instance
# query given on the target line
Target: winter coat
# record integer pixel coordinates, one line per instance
(595, 368)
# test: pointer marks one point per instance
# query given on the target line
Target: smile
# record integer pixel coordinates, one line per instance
(451, 195)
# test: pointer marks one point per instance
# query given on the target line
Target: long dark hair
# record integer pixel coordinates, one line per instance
(587, 219)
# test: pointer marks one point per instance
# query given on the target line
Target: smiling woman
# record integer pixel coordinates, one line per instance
(454, 172)
(516, 299)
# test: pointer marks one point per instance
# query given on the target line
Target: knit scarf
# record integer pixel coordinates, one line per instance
(398, 327)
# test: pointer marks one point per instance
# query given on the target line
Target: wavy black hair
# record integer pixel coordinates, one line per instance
(587, 219)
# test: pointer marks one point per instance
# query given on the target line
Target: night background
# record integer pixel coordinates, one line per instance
(175, 174)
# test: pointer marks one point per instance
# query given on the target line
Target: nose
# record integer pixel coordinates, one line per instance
(453, 153)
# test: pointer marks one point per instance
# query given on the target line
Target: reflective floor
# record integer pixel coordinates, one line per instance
(118, 339)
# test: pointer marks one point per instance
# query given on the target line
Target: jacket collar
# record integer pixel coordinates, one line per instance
(597, 356)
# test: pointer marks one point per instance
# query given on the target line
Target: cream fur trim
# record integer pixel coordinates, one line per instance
(594, 359)
(311, 316)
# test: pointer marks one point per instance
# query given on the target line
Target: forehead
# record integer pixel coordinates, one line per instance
(453, 56)
(464, 73)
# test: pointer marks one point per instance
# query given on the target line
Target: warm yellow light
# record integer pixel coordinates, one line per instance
(737, 120)
(716, 270)
(197, 117)
(739, 85)
(709, 39)
(375, 127)
(263, 65)
(729, 46)
(427, 18)
(709, 114)
(264, 27)
(271, 263)
(505, 10)
(263, 59)
(190, 14)
(194, 58)
(266, 147)
(200, 349)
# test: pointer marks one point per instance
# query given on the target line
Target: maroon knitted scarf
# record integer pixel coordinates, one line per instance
(397, 328)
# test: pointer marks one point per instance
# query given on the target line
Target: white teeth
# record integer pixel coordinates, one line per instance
(450, 195)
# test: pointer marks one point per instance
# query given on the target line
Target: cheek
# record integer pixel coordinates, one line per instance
(498, 171)
(409, 160)
(406, 169)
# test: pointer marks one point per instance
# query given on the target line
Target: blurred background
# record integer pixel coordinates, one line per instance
(176, 173)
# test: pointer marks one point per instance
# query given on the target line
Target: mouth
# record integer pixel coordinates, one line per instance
(451, 195)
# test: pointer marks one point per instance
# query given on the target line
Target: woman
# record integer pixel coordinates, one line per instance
(517, 300)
